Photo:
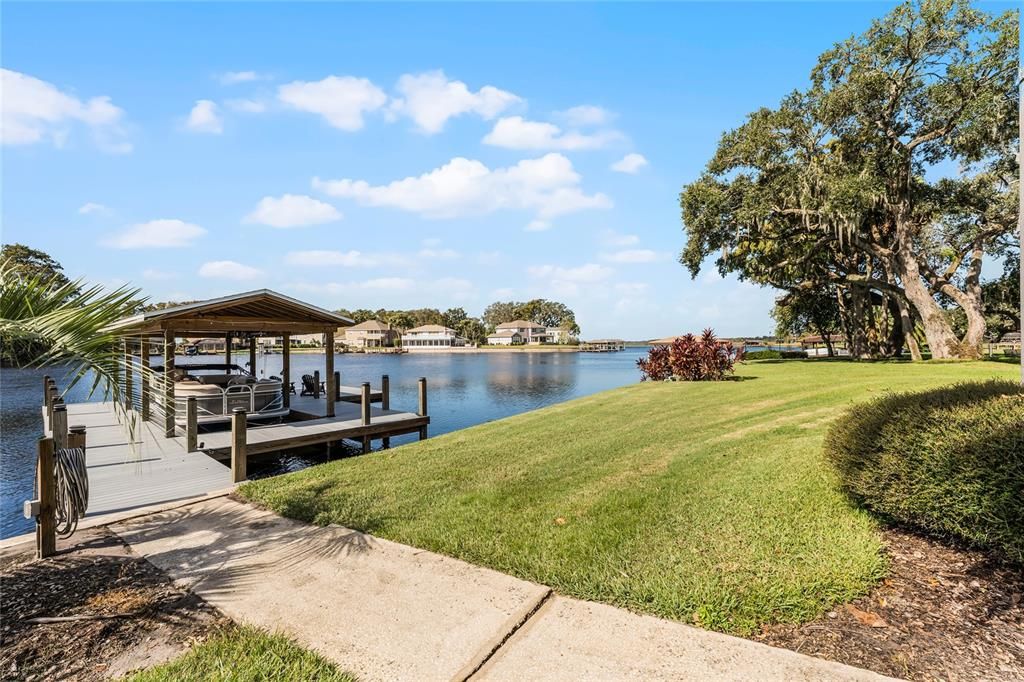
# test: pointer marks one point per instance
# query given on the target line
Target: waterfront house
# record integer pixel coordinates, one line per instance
(558, 335)
(431, 337)
(371, 334)
(506, 337)
(531, 332)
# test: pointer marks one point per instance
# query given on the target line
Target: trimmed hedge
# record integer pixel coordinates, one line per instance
(948, 461)
(775, 355)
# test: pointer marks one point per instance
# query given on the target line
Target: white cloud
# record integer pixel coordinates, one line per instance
(379, 284)
(291, 210)
(613, 238)
(537, 226)
(157, 275)
(430, 99)
(32, 110)
(235, 77)
(488, 257)
(462, 187)
(586, 115)
(341, 100)
(228, 269)
(630, 163)
(635, 256)
(91, 207)
(351, 259)
(246, 106)
(558, 280)
(515, 132)
(156, 234)
(205, 118)
(438, 254)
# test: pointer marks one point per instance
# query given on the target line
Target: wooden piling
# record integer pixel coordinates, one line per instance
(191, 424)
(54, 397)
(76, 436)
(252, 354)
(385, 403)
(144, 371)
(59, 425)
(316, 384)
(286, 368)
(422, 410)
(46, 391)
(129, 377)
(337, 385)
(46, 485)
(365, 405)
(238, 455)
(332, 388)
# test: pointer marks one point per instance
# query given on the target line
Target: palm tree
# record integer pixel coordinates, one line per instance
(46, 321)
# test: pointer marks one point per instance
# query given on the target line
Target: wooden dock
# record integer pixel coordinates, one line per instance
(134, 470)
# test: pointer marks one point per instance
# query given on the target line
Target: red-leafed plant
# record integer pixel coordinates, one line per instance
(691, 358)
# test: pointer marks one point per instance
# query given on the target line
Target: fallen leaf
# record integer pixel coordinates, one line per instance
(560, 521)
(866, 617)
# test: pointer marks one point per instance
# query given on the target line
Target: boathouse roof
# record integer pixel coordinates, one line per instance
(259, 311)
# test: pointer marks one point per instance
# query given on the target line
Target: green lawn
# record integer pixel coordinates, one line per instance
(703, 502)
(244, 654)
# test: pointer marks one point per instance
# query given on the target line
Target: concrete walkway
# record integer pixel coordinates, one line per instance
(385, 611)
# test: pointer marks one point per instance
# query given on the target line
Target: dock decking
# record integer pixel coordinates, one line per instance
(146, 469)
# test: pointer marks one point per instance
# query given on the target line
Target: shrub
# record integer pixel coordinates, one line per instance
(690, 358)
(948, 461)
(762, 355)
(793, 355)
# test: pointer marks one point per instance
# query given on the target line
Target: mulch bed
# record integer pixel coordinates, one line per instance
(944, 613)
(153, 620)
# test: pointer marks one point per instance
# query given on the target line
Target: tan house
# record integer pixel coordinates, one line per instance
(506, 337)
(371, 334)
(431, 337)
(530, 331)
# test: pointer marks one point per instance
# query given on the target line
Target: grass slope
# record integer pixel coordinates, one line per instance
(244, 654)
(709, 503)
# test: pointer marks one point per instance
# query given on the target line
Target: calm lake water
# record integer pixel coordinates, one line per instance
(464, 389)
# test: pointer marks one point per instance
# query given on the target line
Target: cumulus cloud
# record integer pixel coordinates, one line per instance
(32, 110)
(205, 118)
(636, 256)
(537, 226)
(291, 210)
(350, 259)
(246, 106)
(566, 281)
(548, 186)
(515, 132)
(235, 77)
(430, 99)
(156, 234)
(586, 115)
(630, 163)
(341, 100)
(228, 269)
(92, 207)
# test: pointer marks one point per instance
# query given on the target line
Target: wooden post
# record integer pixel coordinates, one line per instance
(316, 384)
(252, 354)
(227, 349)
(59, 425)
(238, 455)
(337, 385)
(385, 403)
(191, 424)
(144, 370)
(286, 368)
(129, 378)
(365, 405)
(422, 411)
(54, 397)
(46, 391)
(46, 522)
(76, 436)
(168, 384)
(332, 388)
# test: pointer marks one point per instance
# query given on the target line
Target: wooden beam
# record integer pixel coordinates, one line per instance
(191, 424)
(286, 368)
(252, 355)
(332, 389)
(59, 425)
(129, 378)
(168, 385)
(227, 348)
(422, 411)
(385, 403)
(243, 324)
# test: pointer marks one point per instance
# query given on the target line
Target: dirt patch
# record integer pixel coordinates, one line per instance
(944, 613)
(143, 618)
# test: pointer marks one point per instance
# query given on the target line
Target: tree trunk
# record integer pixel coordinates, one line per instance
(941, 339)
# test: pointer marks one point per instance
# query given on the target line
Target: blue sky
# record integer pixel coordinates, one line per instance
(394, 155)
